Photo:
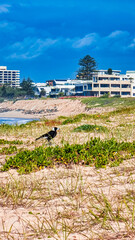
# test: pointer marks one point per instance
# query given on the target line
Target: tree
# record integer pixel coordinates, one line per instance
(3, 90)
(42, 93)
(27, 86)
(87, 66)
(109, 71)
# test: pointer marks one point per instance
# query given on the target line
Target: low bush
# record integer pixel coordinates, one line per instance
(83, 116)
(96, 152)
(90, 128)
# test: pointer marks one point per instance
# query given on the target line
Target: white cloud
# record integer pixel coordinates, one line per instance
(132, 44)
(116, 40)
(4, 8)
(87, 40)
(33, 47)
(118, 34)
(30, 48)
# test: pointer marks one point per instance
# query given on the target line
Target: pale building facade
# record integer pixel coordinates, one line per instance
(102, 83)
(9, 77)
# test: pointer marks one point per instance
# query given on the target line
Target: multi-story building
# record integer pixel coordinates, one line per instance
(9, 77)
(114, 84)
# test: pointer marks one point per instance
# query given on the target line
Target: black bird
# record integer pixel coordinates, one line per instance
(51, 134)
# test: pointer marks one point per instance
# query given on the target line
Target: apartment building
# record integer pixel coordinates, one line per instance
(9, 77)
(115, 84)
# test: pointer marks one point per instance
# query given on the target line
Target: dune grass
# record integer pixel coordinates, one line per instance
(80, 187)
(66, 204)
(108, 102)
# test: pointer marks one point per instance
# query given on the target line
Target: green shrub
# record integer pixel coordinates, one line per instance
(90, 128)
(95, 152)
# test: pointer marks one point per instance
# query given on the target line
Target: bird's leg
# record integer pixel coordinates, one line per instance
(49, 143)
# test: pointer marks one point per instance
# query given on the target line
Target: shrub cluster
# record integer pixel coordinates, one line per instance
(90, 128)
(96, 152)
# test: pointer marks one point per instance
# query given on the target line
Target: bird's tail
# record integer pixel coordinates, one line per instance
(37, 138)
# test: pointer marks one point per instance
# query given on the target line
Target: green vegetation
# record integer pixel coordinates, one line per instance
(87, 66)
(95, 152)
(82, 116)
(3, 141)
(7, 127)
(8, 92)
(87, 200)
(90, 128)
(8, 150)
(26, 86)
(108, 102)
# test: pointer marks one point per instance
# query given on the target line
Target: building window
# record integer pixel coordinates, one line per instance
(133, 87)
(115, 85)
(126, 85)
(103, 78)
(103, 92)
(104, 85)
(115, 93)
(90, 86)
(116, 79)
(96, 85)
(125, 93)
(79, 88)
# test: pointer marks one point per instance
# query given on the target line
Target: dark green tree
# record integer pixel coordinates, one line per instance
(27, 86)
(3, 91)
(109, 71)
(42, 93)
(87, 66)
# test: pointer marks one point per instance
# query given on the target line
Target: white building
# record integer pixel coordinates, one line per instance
(114, 84)
(38, 87)
(9, 77)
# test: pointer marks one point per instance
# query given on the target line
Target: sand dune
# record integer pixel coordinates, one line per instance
(50, 108)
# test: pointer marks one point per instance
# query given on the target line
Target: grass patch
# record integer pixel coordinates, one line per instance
(90, 128)
(83, 116)
(108, 102)
(8, 150)
(18, 142)
(95, 152)
(7, 127)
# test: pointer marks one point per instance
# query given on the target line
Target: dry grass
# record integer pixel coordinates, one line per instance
(76, 203)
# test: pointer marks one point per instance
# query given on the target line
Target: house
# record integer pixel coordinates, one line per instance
(102, 83)
(38, 87)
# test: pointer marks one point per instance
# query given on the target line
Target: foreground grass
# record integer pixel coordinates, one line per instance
(74, 191)
(77, 203)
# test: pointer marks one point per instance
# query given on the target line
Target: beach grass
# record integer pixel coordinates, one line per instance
(80, 187)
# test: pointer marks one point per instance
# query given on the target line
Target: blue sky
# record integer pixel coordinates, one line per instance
(45, 39)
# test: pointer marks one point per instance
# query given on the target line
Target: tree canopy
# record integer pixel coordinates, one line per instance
(27, 86)
(87, 66)
(109, 71)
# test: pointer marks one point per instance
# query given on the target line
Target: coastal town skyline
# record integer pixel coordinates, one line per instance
(46, 39)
